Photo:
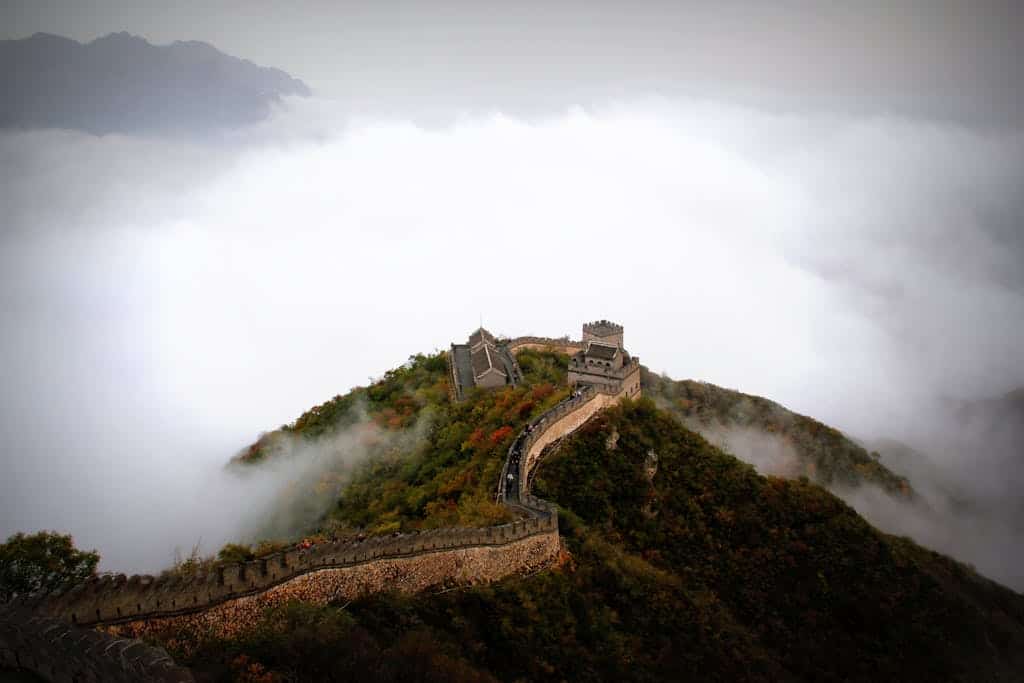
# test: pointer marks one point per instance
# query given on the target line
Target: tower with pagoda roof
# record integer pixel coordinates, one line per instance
(603, 362)
(481, 362)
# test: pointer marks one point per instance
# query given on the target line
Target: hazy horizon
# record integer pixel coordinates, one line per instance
(946, 60)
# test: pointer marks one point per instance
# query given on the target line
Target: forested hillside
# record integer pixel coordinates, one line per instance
(423, 461)
(778, 440)
(681, 562)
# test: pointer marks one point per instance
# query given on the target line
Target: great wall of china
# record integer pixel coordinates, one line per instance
(90, 631)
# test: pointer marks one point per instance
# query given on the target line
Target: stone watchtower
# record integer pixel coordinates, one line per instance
(604, 332)
(604, 362)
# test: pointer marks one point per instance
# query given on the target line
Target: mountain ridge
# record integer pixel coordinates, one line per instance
(681, 560)
(122, 83)
(676, 558)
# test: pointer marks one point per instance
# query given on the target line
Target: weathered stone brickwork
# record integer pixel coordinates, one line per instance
(556, 423)
(603, 331)
(57, 651)
(226, 601)
(463, 566)
(115, 600)
(566, 345)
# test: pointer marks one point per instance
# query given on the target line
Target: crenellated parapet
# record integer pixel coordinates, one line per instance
(562, 345)
(108, 600)
(556, 423)
(223, 600)
(514, 490)
(603, 331)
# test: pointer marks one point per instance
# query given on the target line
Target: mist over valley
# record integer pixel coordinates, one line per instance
(233, 263)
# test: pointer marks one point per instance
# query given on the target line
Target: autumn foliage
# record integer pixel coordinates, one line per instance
(704, 571)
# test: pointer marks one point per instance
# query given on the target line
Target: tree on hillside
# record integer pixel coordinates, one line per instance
(42, 561)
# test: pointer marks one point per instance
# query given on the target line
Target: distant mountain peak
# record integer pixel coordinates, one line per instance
(121, 83)
(43, 35)
(121, 36)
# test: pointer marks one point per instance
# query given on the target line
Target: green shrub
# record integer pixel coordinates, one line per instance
(42, 562)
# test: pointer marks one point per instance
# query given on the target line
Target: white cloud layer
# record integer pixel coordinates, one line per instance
(163, 303)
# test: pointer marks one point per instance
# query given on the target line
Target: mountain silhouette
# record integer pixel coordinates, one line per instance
(123, 84)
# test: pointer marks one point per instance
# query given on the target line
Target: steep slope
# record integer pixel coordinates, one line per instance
(774, 439)
(683, 563)
(966, 463)
(816, 585)
(122, 84)
(407, 458)
(399, 456)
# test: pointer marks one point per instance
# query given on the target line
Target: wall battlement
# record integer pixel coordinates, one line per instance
(117, 599)
(219, 600)
(602, 328)
(603, 331)
(562, 345)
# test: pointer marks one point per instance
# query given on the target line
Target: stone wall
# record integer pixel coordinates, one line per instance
(118, 599)
(227, 600)
(605, 332)
(562, 423)
(612, 379)
(57, 651)
(463, 566)
(454, 390)
(566, 345)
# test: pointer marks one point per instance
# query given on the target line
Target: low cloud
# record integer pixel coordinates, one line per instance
(989, 540)
(768, 453)
(971, 516)
(163, 304)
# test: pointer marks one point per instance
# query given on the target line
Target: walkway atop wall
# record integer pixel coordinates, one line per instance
(562, 344)
(36, 643)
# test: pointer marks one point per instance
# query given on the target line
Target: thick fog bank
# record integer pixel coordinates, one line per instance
(965, 502)
(163, 303)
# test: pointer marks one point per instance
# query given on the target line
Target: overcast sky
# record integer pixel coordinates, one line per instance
(819, 207)
(940, 58)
